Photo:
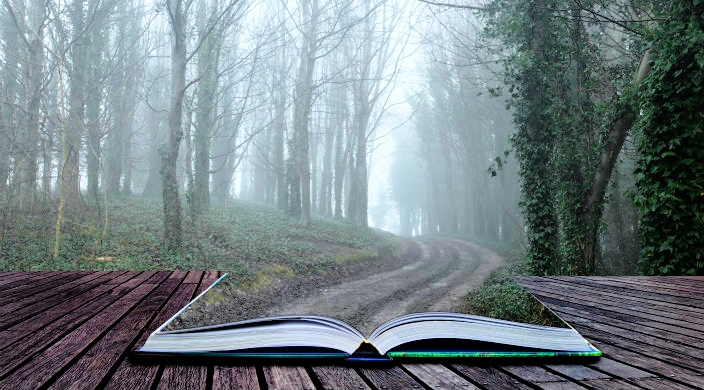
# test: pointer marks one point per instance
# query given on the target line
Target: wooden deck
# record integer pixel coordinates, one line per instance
(74, 330)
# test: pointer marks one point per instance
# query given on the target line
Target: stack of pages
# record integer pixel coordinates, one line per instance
(416, 335)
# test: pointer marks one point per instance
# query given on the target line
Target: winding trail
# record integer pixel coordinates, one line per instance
(444, 271)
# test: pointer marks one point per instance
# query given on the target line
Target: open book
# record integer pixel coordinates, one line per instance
(417, 335)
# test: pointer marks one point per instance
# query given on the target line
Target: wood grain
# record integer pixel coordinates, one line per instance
(94, 365)
(490, 378)
(235, 377)
(439, 377)
(182, 377)
(390, 378)
(287, 378)
(130, 375)
(46, 364)
(77, 330)
(339, 377)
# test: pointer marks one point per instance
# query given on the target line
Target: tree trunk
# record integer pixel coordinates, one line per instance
(592, 212)
(93, 149)
(331, 129)
(270, 172)
(169, 151)
(76, 117)
(534, 147)
(301, 133)
(314, 173)
(188, 159)
(8, 97)
(224, 155)
(199, 197)
(152, 187)
(35, 71)
(341, 155)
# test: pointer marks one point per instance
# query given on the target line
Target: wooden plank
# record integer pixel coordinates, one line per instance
(130, 375)
(48, 363)
(532, 374)
(627, 298)
(587, 312)
(566, 385)
(287, 378)
(81, 296)
(610, 384)
(12, 277)
(692, 337)
(438, 377)
(193, 277)
(694, 351)
(577, 372)
(645, 284)
(490, 378)
(25, 313)
(679, 281)
(619, 370)
(124, 277)
(183, 377)
(589, 377)
(601, 306)
(698, 278)
(643, 348)
(94, 365)
(38, 282)
(683, 320)
(28, 279)
(33, 299)
(650, 364)
(646, 305)
(208, 279)
(165, 381)
(660, 383)
(389, 378)
(620, 288)
(235, 377)
(33, 286)
(16, 354)
(339, 378)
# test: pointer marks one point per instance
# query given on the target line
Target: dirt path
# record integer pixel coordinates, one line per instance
(444, 272)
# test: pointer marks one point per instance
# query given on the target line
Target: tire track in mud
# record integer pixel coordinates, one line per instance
(442, 273)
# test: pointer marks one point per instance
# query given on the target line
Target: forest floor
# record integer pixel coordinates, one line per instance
(276, 266)
(256, 243)
(433, 274)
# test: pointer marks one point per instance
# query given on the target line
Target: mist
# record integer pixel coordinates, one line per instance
(391, 114)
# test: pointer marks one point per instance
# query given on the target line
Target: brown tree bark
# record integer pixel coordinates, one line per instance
(301, 133)
(169, 151)
(33, 92)
(75, 125)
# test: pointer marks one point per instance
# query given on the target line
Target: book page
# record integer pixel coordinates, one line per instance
(361, 304)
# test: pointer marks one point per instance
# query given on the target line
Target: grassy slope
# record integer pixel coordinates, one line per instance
(254, 241)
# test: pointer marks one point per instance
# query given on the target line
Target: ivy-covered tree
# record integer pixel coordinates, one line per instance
(670, 171)
(573, 107)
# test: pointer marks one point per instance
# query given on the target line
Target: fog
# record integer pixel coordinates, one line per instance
(384, 113)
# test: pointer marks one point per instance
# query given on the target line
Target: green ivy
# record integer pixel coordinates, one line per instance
(670, 171)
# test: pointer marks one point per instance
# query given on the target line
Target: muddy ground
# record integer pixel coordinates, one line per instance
(431, 275)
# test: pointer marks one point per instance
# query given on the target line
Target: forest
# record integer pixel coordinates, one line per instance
(571, 130)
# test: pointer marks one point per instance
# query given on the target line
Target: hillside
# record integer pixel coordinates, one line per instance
(258, 243)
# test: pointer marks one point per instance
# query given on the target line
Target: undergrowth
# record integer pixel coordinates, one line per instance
(245, 238)
(501, 297)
